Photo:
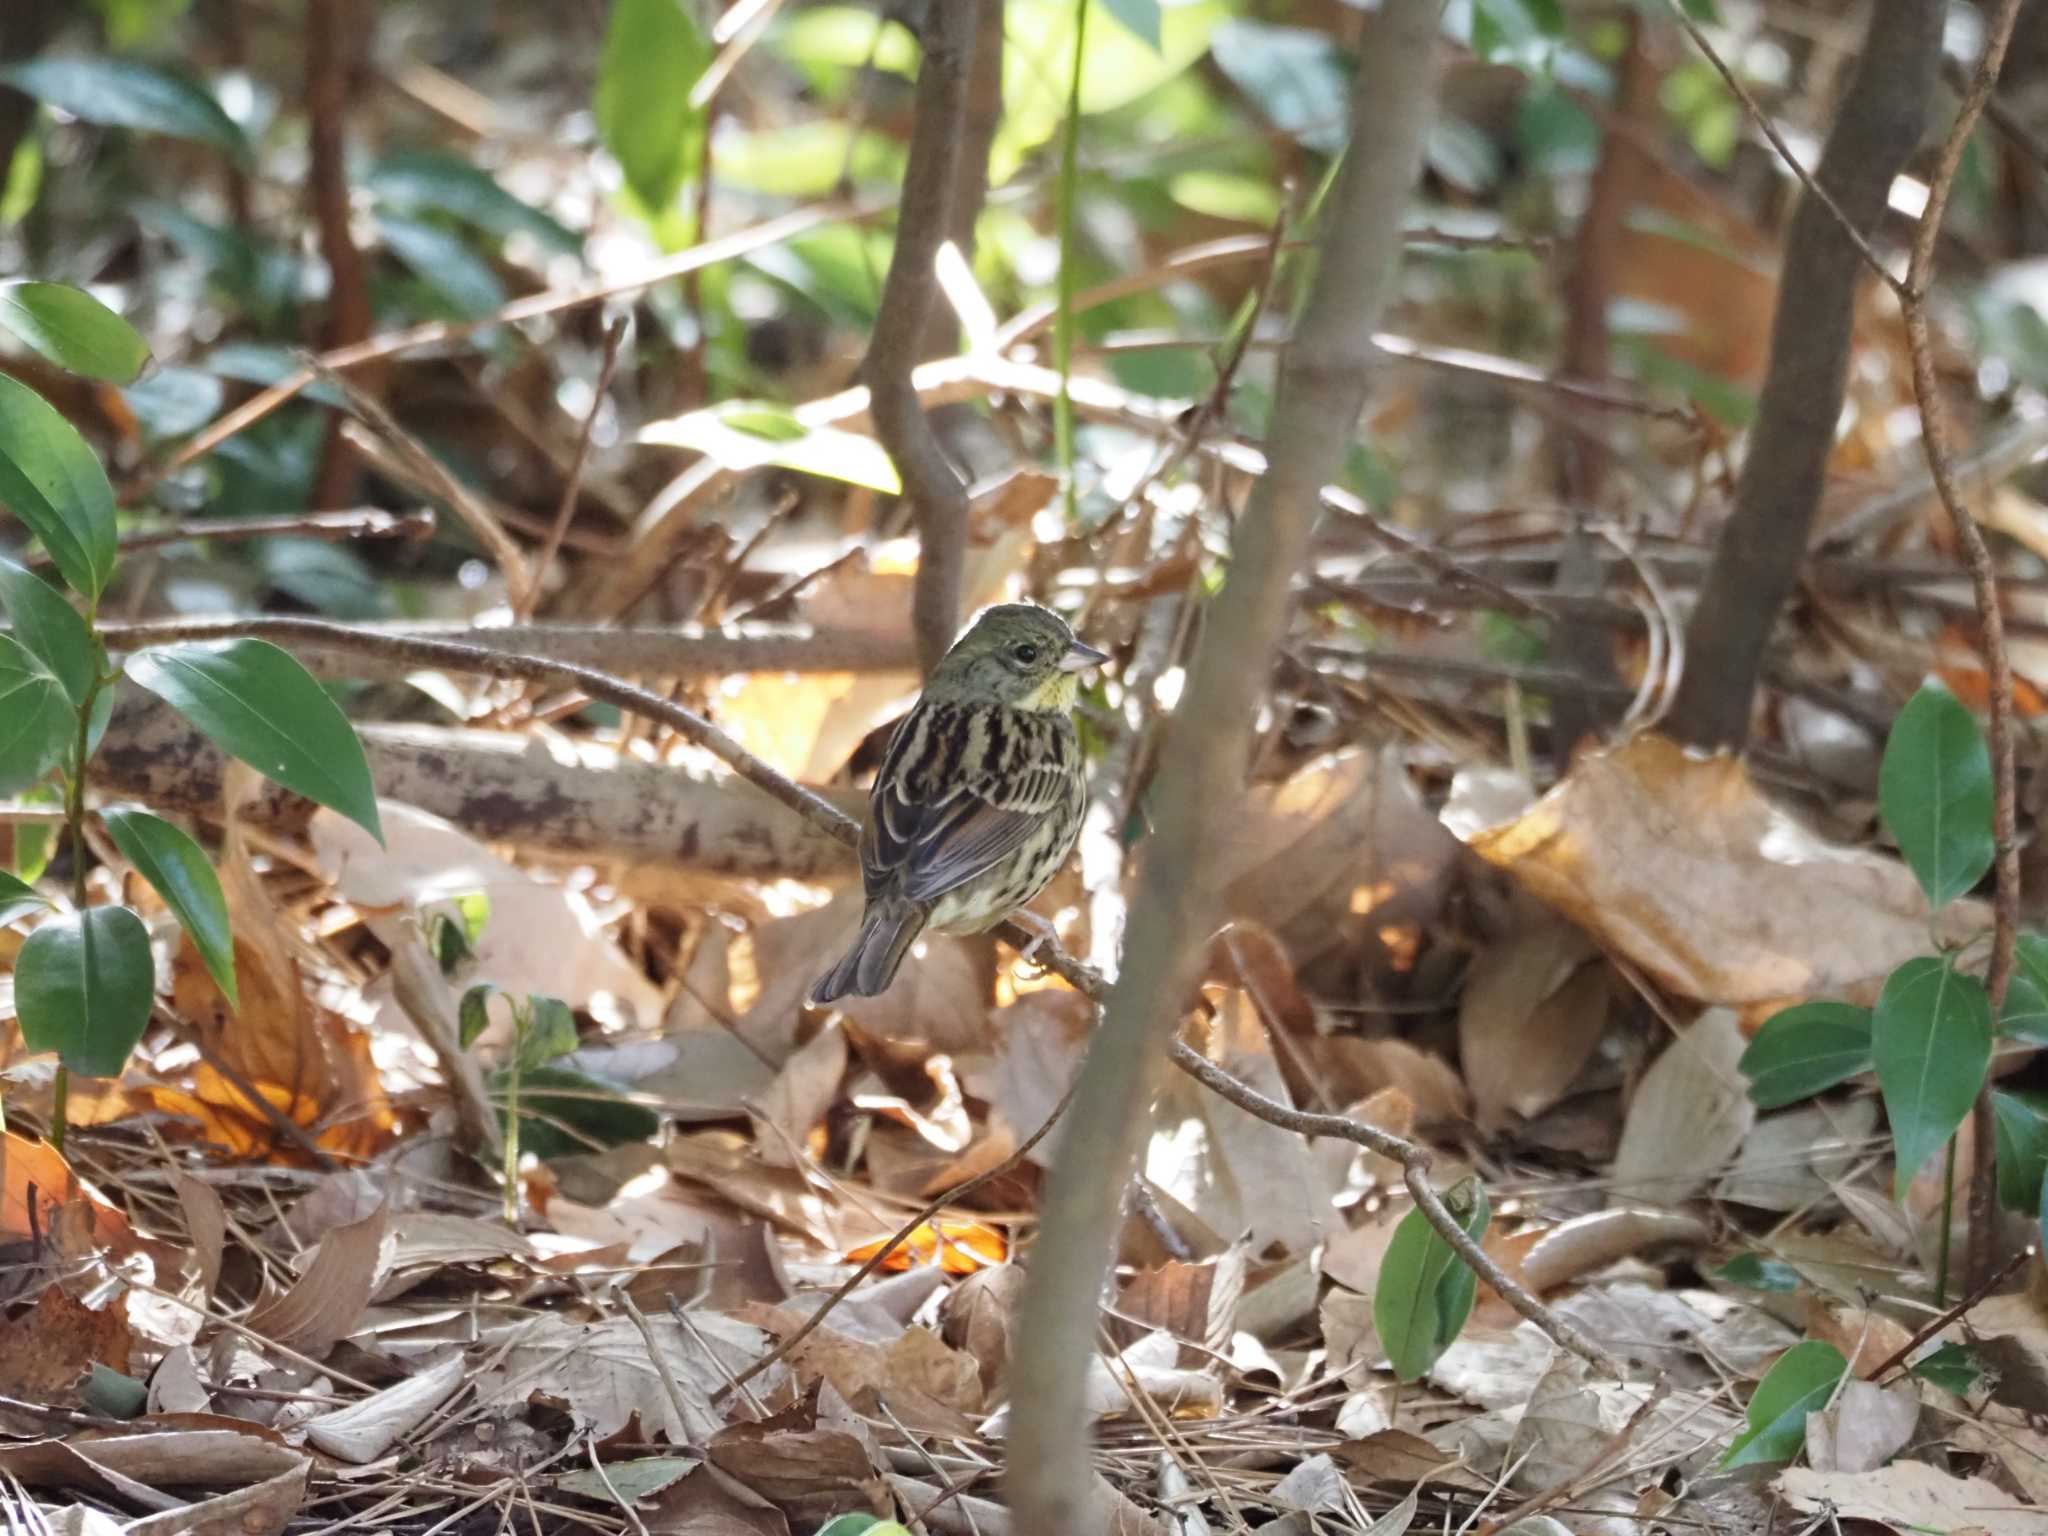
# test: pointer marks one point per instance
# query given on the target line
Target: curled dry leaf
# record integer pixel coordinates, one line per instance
(799, 1096)
(365, 1430)
(1196, 1302)
(1679, 863)
(1863, 1428)
(1581, 1244)
(324, 1304)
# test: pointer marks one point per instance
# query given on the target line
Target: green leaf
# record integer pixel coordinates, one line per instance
(177, 868)
(442, 259)
(2021, 1121)
(18, 899)
(1803, 1049)
(1951, 1368)
(630, 1481)
(122, 93)
(35, 842)
(1294, 75)
(1934, 788)
(37, 723)
(431, 181)
(83, 985)
(50, 629)
(1754, 1272)
(73, 330)
(257, 703)
(2025, 1014)
(1798, 1384)
(1931, 1042)
(747, 434)
(653, 55)
(550, 1032)
(861, 1525)
(51, 481)
(563, 1112)
(1426, 1291)
(474, 1016)
(1140, 17)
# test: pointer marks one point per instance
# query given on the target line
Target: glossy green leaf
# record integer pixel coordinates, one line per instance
(177, 869)
(630, 1481)
(550, 1032)
(35, 842)
(443, 260)
(1934, 788)
(18, 899)
(2021, 1122)
(51, 481)
(432, 181)
(73, 330)
(124, 93)
(49, 628)
(654, 53)
(1141, 17)
(563, 1112)
(1426, 1291)
(474, 1015)
(37, 723)
(1754, 1272)
(1798, 1384)
(257, 703)
(1931, 1043)
(1952, 1368)
(83, 985)
(861, 1525)
(2025, 1014)
(1804, 1049)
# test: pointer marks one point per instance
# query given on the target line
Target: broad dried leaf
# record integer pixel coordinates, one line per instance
(1864, 1428)
(1689, 1115)
(1910, 1496)
(1681, 865)
(710, 1503)
(324, 1304)
(797, 1099)
(1533, 1009)
(48, 1351)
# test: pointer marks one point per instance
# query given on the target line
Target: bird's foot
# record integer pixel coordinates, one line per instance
(1042, 933)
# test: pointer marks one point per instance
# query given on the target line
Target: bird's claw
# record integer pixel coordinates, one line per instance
(1042, 933)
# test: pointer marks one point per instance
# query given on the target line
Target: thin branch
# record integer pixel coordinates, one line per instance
(334, 41)
(938, 497)
(353, 523)
(1990, 616)
(1415, 1165)
(1756, 561)
(1321, 391)
(572, 486)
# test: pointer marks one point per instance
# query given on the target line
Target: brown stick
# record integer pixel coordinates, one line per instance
(334, 42)
(354, 523)
(1990, 616)
(1321, 391)
(938, 498)
(1756, 563)
(572, 485)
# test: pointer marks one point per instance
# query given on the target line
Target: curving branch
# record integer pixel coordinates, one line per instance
(938, 496)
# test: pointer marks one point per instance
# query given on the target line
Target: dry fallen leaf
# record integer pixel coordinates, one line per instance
(1910, 1497)
(1863, 1428)
(1689, 1114)
(1679, 863)
(50, 1349)
(1533, 1009)
(324, 1304)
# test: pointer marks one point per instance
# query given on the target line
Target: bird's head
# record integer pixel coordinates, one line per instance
(1016, 654)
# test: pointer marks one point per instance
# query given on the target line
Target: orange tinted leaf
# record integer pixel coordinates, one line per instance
(961, 1247)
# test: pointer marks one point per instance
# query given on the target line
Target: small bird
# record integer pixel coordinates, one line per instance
(980, 794)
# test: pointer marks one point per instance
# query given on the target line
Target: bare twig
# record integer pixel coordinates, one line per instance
(334, 41)
(1990, 617)
(354, 523)
(938, 497)
(572, 487)
(1756, 562)
(1321, 391)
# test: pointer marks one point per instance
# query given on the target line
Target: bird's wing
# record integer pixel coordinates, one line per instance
(941, 815)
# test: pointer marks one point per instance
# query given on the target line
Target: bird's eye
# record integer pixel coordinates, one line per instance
(1025, 654)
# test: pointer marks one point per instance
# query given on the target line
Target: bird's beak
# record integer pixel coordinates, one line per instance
(1080, 658)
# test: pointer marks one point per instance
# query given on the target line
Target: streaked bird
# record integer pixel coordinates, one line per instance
(980, 795)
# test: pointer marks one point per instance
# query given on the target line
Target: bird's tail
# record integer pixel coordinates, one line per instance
(887, 930)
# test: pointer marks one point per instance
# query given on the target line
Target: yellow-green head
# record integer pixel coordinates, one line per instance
(1016, 654)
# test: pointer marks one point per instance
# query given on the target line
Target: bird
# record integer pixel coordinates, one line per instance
(979, 798)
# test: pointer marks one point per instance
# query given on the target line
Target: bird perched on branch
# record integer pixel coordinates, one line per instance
(980, 795)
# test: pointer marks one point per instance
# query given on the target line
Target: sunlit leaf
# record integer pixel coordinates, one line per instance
(53, 483)
(124, 93)
(257, 703)
(178, 870)
(1798, 1384)
(747, 434)
(83, 985)
(1931, 1043)
(653, 54)
(1140, 16)
(1804, 1049)
(73, 330)
(1934, 788)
